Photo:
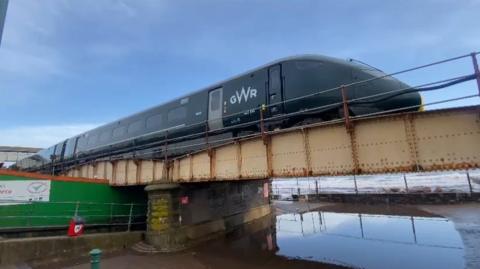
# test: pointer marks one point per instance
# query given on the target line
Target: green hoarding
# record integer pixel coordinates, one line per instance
(27, 202)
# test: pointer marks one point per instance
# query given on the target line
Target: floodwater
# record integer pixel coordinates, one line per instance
(337, 236)
(370, 240)
(384, 237)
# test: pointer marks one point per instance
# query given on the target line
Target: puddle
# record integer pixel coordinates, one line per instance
(370, 240)
(379, 237)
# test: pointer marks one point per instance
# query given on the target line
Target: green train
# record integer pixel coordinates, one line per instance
(292, 91)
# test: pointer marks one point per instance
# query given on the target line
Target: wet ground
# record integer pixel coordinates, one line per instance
(314, 235)
(371, 237)
(467, 223)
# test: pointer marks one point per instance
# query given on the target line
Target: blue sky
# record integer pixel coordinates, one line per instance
(67, 66)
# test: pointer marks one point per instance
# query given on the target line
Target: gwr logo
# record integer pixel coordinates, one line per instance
(243, 95)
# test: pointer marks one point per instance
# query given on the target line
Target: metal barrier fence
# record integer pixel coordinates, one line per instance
(467, 183)
(39, 215)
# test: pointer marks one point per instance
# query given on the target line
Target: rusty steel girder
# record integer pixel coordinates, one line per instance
(407, 142)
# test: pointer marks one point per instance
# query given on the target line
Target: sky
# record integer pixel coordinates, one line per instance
(69, 66)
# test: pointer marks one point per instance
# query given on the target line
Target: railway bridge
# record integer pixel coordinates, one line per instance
(381, 142)
(443, 139)
(195, 196)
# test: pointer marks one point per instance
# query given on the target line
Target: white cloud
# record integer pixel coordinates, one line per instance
(41, 136)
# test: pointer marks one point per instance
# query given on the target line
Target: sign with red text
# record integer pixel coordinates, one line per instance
(24, 191)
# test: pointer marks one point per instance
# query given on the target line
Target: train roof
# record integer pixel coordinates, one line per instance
(305, 57)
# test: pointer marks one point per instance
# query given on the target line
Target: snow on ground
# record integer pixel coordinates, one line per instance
(455, 181)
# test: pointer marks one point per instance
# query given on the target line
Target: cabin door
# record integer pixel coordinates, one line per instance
(275, 92)
(215, 108)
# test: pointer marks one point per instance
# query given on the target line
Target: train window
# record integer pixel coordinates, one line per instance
(177, 114)
(70, 146)
(58, 149)
(92, 140)
(81, 144)
(135, 126)
(119, 131)
(154, 121)
(105, 136)
(215, 101)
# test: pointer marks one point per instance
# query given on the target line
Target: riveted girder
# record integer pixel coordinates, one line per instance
(422, 141)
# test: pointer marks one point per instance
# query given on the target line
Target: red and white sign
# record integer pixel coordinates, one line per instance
(76, 227)
(24, 190)
(184, 200)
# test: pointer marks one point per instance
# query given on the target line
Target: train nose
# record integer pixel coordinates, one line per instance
(402, 99)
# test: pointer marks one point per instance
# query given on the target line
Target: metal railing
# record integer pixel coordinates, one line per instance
(168, 143)
(345, 103)
(396, 184)
(43, 215)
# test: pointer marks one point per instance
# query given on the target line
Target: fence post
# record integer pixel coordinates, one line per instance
(298, 189)
(355, 182)
(346, 112)
(29, 221)
(206, 135)
(469, 183)
(405, 181)
(316, 187)
(263, 108)
(165, 158)
(477, 71)
(130, 217)
(77, 205)
(111, 213)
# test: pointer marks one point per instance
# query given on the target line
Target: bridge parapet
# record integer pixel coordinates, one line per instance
(409, 142)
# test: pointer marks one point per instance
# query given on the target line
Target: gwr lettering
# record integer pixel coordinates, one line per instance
(243, 95)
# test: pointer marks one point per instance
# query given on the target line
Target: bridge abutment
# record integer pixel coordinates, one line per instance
(183, 215)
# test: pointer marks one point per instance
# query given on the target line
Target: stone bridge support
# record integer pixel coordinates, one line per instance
(182, 215)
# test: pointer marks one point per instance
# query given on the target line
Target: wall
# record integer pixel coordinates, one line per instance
(93, 199)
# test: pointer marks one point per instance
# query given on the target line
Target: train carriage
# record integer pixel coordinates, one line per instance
(293, 90)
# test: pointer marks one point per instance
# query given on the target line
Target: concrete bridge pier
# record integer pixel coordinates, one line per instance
(182, 215)
(163, 217)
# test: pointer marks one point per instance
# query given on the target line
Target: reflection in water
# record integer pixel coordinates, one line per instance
(252, 246)
(321, 239)
(370, 240)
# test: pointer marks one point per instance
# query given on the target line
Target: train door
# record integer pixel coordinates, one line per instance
(275, 91)
(215, 108)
